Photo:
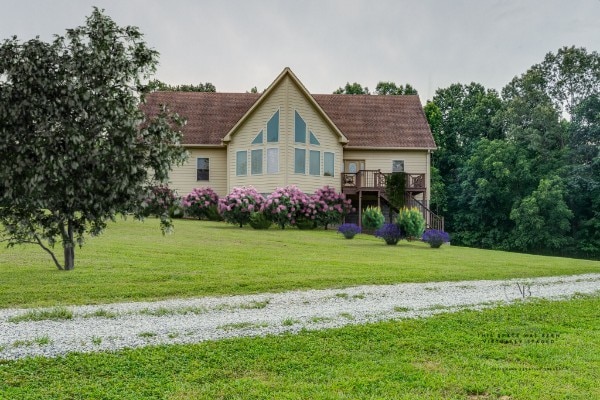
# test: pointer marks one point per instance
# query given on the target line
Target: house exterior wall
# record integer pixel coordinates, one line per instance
(183, 178)
(415, 161)
(286, 98)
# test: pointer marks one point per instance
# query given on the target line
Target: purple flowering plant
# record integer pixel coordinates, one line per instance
(391, 233)
(200, 203)
(331, 207)
(349, 230)
(435, 237)
(238, 205)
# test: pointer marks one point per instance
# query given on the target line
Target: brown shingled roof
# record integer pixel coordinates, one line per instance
(366, 120)
(210, 116)
(378, 121)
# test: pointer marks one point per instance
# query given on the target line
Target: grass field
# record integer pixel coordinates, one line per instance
(131, 261)
(532, 350)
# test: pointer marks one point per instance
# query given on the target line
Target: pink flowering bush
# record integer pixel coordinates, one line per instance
(286, 206)
(159, 201)
(238, 205)
(331, 207)
(201, 203)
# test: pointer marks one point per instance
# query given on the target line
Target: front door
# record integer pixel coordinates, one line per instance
(353, 166)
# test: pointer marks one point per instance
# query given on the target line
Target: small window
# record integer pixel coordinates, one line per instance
(257, 161)
(300, 129)
(272, 161)
(202, 169)
(258, 139)
(315, 162)
(313, 139)
(328, 164)
(398, 166)
(273, 128)
(241, 163)
(300, 161)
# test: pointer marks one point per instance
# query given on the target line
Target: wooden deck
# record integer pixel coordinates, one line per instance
(374, 182)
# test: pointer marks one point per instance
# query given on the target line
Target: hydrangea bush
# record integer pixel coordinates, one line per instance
(201, 203)
(349, 230)
(331, 207)
(391, 233)
(238, 205)
(285, 205)
(412, 222)
(435, 237)
(159, 201)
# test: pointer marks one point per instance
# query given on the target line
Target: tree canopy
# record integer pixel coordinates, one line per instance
(521, 170)
(158, 86)
(75, 146)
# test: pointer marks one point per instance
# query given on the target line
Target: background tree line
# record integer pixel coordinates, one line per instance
(520, 170)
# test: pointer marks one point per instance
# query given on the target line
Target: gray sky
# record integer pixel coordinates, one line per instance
(237, 44)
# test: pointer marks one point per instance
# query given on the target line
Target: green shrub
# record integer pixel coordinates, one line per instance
(212, 213)
(306, 224)
(411, 222)
(258, 220)
(372, 218)
(395, 188)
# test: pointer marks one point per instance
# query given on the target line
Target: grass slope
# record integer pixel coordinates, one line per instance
(132, 261)
(552, 354)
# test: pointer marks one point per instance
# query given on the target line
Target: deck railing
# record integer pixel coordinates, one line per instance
(375, 179)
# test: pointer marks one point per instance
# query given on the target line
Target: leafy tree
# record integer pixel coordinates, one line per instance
(583, 185)
(355, 88)
(390, 88)
(542, 219)
(158, 86)
(492, 181)
(570, 76)
(75, 146)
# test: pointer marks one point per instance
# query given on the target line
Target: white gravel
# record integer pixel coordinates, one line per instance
(126, 325)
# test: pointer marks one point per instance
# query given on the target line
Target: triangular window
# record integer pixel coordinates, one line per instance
(258, 139)
(299, 129)
(273, 128)
(313, 139)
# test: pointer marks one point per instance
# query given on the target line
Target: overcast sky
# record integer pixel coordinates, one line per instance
(238, 44)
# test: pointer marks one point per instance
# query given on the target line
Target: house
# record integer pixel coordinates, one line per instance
(286, 135)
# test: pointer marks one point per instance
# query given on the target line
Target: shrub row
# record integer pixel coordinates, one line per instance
(287, 206)
(410, 225)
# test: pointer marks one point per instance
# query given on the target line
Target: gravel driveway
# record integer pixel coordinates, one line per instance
(125, 325)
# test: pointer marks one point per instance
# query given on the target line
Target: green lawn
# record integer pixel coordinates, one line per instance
(132, 261)
(553, 354)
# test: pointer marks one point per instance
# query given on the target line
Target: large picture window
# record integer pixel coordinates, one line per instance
(300, 161)
(202, 169)
(328, 164)
(241, 163)
(272, 161)
(257, 162)
(315, 163)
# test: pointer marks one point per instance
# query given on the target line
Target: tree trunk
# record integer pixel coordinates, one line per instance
(69, 247)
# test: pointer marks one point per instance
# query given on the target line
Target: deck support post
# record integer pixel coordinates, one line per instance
(360, 208)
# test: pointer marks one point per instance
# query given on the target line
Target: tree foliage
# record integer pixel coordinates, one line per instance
(75, 146)
(157, 86)
(354, 88)
(521, 171)
(390, 88)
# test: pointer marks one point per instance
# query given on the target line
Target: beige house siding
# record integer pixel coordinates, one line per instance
(183, 179)
(415, 161)
(287, 98)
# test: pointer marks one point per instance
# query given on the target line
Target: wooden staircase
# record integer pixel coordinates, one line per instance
(374, 182)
